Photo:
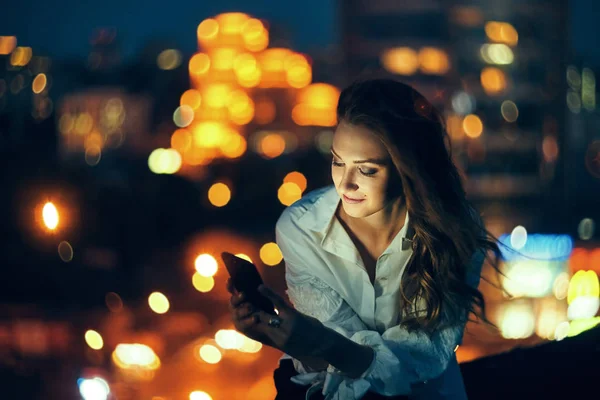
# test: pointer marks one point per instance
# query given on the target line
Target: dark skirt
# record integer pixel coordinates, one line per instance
(288, 390)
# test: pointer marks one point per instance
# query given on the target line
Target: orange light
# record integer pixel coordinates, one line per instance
(181, 140)
(219, 194)
(297, 178)
(272, 145)
(400, 60)
(235, 147)
(191, 98)
(208, 30)
(7, 44)
(493, 80)
(39, 83)
(472, 126)
(270, 254)
(434, 61)
(199, 64)
(265, 111)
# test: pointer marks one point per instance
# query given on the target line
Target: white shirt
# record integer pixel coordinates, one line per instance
(327, 280)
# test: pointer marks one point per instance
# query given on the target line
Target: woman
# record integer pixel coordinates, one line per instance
(382, 267)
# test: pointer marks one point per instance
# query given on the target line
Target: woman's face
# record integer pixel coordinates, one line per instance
(361, 169)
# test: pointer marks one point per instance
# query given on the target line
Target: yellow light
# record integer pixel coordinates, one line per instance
(231, 22)
(272, 145)
(583, 283)
(199, 64)
(164, 161)
(135, 355)
(219, 194)
(210, 354)
(191, 98)
(250, 345)
(298, 178)
(244, 256)
(158, 303)
(208, 29)
(203, 284)
(20, 56)
(50, 216)
(39, 83)
(211, 134)
(216, 95)
(493, 80)
(235, 147)
(94, 339)
(206, 265)
(289, 193)
(270, 254)
(434, 61)
(200, 395)
(472, 126)
(400, 60)
(223, 58)
(229, 339)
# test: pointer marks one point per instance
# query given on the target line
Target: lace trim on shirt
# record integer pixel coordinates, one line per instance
(315, 298)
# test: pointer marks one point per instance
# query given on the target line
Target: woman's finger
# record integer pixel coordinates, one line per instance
(230, 287)
(237, 299)
(244, 310)
(245, 324)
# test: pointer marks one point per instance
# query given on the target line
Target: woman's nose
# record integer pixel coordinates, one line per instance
(348, 181)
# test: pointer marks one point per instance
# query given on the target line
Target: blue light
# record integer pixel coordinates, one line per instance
(540, 247)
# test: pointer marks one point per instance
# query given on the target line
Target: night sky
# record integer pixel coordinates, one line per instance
(63, 31)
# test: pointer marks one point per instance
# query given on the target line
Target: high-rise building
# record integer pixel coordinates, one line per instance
(497, 70)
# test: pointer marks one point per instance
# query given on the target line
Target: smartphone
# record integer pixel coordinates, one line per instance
(245, 278)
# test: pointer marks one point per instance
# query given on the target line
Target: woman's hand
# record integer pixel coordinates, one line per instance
(298, 335)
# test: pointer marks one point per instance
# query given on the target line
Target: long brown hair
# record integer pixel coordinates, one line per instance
(447, 230)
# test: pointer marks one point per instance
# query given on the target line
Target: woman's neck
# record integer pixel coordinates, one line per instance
(383, 225)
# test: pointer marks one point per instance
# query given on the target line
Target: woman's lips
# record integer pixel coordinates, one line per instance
(352, 201)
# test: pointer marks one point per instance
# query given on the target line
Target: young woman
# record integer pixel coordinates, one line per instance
(383, 266)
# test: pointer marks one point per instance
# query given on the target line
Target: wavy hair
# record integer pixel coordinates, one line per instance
(447, 230)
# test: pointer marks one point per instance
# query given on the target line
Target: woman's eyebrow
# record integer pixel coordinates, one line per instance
(378, 161)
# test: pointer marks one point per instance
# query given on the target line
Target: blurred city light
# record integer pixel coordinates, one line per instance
(164, 161)
(169, 59)
(493, 80)
(135, 355)
(229, 339)
(113, 302)
(203, 284)
(472, 126)
(7, 44)
(200, 395)
(298, 178)
(219, 194)
(586, 228)
(244, 256)
(540, 247)
(433, 61)
(94, 389)
(400, 60)
(288, 193)
(206, 265)
(65, 251)
(517, 320)
(509, 111)
(210, 354)
(158, 302)
(518, 237)
(94, 339)
(50, 216)
(270, 254)
(502, 32)
(39, 83)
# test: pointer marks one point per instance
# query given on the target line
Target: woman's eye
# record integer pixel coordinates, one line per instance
(368, 171)
(336, 164)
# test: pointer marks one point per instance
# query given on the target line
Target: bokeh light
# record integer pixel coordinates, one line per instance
(270, 254)
(472, 126)
(509, 111)
(39, 83)
(210, 354)
(200, 395)
(206, 265)
(94, 339)
(298, 178)
(113, 302)
(219, 194)
(94, 389)
(288, 193)
(203, 284)
(493, 80)
(65, 251)
(50, 216)
(169, 59)
(158, 302)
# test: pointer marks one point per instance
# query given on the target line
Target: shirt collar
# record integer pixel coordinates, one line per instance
(321, 218)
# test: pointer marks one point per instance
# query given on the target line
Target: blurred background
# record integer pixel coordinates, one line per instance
(139, 140)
